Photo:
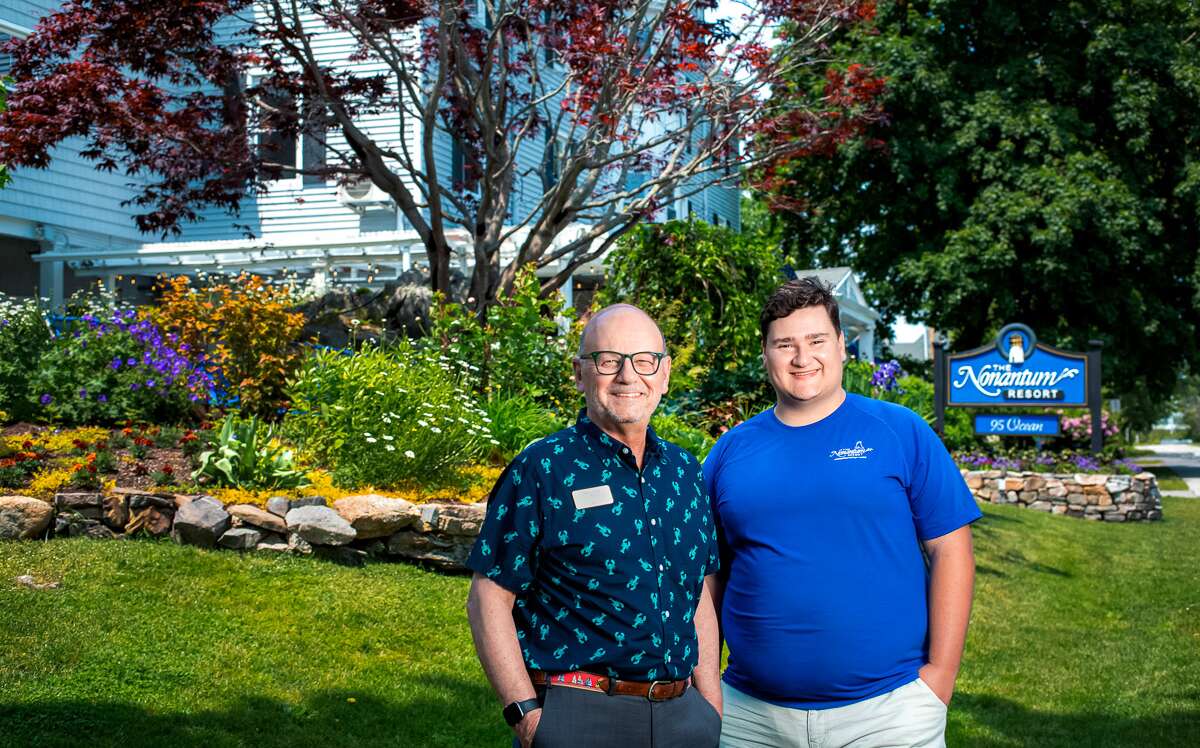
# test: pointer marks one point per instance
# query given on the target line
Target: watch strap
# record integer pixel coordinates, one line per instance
(516, 711)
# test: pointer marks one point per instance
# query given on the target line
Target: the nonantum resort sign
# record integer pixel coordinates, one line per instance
(1017, 370)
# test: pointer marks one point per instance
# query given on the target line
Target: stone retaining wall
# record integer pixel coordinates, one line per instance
(1098, 496)
(351, 530)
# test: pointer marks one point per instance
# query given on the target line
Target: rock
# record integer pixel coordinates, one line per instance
(297, 544)
(1133, 515)
(441, 552)
(279, 505)
(320, 525)
(276, 547)
(1059, 491)
(974, 481)
(115, 511)
(25, 580)
(1114, 517)
(1041, 506)
(85, 504)
(1076, 498)
(307, 501)
(98, 531)
(75, 525)
(158, 501)
(1035, 483)
(260, 518)
(1154, 514)
(1118, 484)
(1091, 479)
(1058, 509)
(240, 538)
(200, 522)
(23, 518)
(1012, 484)
(152, 520)
(374, 516)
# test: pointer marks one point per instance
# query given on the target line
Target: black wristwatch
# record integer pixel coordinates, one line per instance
(516, 711)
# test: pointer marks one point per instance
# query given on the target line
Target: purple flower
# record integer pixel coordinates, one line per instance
(134, 385)
(130, 361)
(116, 363)
(101, 398)
(149, 382)
(46, 399)
(82, 393)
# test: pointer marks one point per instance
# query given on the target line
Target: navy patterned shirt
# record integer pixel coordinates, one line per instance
(607, 562)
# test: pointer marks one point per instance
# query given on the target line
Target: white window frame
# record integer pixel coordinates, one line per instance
(295, 182)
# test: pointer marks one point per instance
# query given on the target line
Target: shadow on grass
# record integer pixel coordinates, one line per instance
(1008, 723)
(448, 713)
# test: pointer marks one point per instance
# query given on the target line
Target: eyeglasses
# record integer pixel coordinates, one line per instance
(610, 362)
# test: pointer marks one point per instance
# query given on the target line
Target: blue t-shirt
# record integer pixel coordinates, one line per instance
(821, 528)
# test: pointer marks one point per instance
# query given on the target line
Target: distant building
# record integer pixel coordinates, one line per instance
(919, 348)
(858, 318)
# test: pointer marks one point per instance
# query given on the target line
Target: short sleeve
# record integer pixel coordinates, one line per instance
(509, 540)
(940, 500)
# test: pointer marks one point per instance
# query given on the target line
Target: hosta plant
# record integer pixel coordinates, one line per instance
(246, 455)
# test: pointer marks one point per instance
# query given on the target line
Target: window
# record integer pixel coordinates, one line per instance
(286, 151)
(549, 161)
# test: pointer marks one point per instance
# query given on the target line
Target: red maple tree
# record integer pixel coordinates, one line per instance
(631, 104)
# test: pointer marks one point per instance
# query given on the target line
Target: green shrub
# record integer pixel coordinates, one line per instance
(517, 421)
(387, 417)
(245, 456)
(24, 337)
(676, 430)
(519, 350)
(706, 286)
(114, 367)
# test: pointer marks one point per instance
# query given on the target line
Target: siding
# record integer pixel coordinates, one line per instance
(70, 196)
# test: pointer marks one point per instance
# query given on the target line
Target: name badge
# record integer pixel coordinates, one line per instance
(586, 498)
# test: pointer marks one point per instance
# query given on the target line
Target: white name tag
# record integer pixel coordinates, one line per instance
(586, 498)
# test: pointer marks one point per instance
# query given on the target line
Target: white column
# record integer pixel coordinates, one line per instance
(866, 343)
(50, 282)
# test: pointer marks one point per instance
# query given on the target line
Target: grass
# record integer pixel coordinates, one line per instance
(1083, 634)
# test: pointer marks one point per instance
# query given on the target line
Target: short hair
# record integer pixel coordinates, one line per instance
(799, 293)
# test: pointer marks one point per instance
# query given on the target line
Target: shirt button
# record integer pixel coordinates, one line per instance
(654, 522)
(660, 567)
(643, 479)
(666, 614)
(625, 450)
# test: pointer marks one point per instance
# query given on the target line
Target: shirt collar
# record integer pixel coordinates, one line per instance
(584, 425)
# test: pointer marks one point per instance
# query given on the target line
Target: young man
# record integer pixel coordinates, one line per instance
(827, 505)
(587, 605)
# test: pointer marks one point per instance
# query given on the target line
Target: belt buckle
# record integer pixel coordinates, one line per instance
(650, 691)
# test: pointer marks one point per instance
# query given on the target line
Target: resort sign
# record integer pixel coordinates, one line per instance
(1017, 370)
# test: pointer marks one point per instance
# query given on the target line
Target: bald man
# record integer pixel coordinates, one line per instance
(588, 604)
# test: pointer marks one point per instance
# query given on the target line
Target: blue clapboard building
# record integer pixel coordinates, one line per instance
(65, 227)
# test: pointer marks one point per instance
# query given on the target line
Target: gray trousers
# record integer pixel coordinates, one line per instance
(575, 718)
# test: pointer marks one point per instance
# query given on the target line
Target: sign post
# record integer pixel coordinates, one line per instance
(1018, 371)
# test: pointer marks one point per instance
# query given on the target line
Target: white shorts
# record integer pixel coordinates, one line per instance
(911, 716)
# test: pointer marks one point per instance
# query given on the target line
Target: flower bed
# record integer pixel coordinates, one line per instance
(1111, 497)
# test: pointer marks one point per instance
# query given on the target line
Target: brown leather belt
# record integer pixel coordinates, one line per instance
(657, 690)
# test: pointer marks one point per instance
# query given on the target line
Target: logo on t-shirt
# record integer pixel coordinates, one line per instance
(857, 452)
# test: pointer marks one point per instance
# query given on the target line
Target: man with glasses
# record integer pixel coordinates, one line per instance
(587, 605)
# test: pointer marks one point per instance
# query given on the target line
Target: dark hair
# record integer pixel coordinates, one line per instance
(799, 294)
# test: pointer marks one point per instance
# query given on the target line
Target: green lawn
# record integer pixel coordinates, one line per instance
(1084, 634)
